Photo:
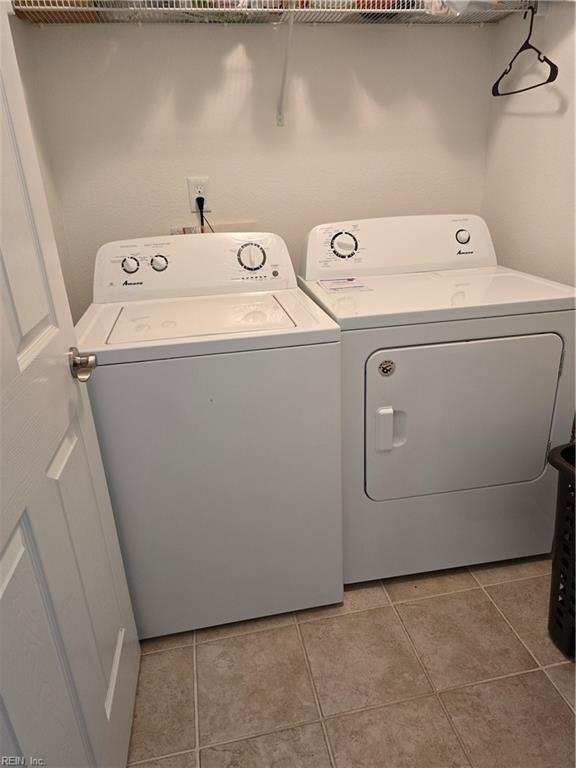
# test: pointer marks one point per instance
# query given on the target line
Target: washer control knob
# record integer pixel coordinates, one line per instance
(159, 262)
(463, 236)
(130, 264)
(251, 256)
(344, 245)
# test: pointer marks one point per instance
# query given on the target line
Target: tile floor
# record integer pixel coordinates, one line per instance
(443, 670)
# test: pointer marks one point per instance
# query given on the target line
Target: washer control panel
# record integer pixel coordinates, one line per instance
(251, 256)
(397, 245)
(190, 265)
(131, 264)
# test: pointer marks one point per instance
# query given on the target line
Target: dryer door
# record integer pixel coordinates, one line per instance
(446, 417)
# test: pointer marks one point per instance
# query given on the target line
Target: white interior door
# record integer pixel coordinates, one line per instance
(445, 417)
(68, 645)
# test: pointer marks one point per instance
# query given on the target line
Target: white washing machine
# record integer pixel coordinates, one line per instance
(458, 374)
(217, 405)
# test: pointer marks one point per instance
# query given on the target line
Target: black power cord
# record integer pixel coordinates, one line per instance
(200, 206)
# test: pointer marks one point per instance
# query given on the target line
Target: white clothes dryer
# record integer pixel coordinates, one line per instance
(217, 405)
(458, 375)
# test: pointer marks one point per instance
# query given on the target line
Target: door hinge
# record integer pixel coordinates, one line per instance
(562, 356)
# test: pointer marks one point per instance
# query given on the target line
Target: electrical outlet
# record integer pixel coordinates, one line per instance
(197, 187)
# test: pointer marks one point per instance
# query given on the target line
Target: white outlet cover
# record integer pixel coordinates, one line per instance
(197, 187)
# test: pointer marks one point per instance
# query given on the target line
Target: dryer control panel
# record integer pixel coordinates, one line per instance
(191, 265)
(397, 245)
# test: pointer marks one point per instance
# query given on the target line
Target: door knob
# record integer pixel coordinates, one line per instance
(81, 366)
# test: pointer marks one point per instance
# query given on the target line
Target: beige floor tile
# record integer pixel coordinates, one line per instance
(244, 627)
(562, 677)
(461, 638)
(164, 711)
(413, 734)
(362, 659)
(517, 722)
(166, 642)
(357, 597)
(186, 760)
(429, 584)
(302, 747)
(252, 684)
(494, 573)
(525, 605)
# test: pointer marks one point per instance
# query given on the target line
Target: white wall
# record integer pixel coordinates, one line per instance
(529, 193)
(381, 120)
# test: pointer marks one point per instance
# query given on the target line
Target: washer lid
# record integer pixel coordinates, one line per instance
(200, 316)
(422, 297)
(203, 325)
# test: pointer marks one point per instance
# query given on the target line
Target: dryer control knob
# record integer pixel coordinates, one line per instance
(463, 236)
(159, 262)
(344, 245)
(130, 264)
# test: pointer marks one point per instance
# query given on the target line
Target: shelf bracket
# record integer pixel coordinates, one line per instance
(281, 107)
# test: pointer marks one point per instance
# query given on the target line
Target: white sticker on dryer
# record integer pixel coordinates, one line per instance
(343, 284)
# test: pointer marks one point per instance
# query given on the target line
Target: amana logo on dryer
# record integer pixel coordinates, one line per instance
(127, 282)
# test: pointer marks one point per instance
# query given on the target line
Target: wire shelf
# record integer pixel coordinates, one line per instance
(267, 11)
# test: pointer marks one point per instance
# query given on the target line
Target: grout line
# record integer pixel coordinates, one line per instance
(539, 667)
(428, 597)
(342, 613)
(556, 664)
(569, 703)
(455, 731)
(509, 581)
(477, 585)
(316, 696)
(412, 645)
(488, 680)
(381, 705)
(169, 648)
(260, 734)
(162, 757)
(328, 744)
(502, 614)
(196, 702)
(431, 683)
(492, 601)
(318, 721)
(250, 631)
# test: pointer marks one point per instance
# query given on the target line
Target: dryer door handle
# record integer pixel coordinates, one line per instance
(384, 431)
